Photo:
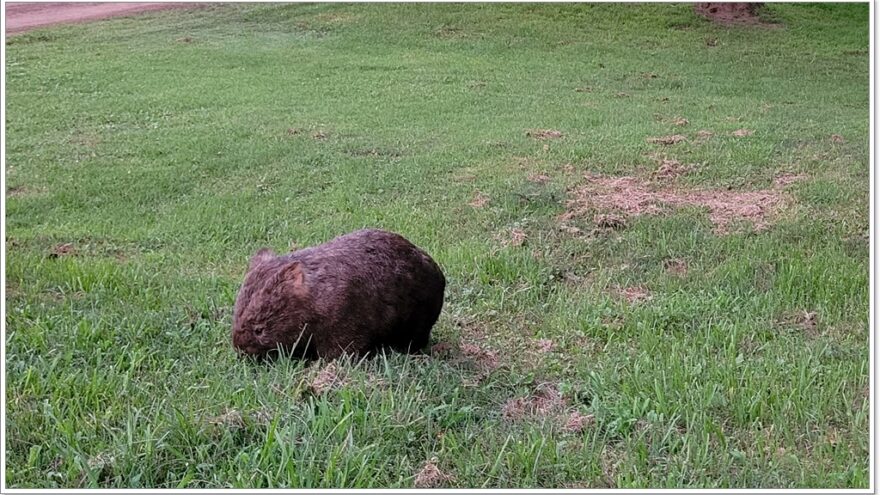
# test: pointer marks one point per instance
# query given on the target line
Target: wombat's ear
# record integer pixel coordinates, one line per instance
(261, 256)
(292, 273)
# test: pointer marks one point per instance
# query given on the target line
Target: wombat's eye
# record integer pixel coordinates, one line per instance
(258, 330)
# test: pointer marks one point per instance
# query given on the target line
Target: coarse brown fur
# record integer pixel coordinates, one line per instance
(360, 292)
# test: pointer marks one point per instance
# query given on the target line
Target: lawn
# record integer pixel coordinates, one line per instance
(582, 344)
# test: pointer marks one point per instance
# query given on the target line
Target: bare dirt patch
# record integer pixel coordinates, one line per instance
(680, 121)
(733, 13)
(61, 250)
(837, 138)
(544, 134)
(571, 229)
(805, 321)
(633, 295)
(430, 475)
(578, 422)
(676, 267)
(21, 191)
(545, 345)
(485, 359)
(231, 418)
(539, 178)
(335, 17)
(667, 140)
(441, 348)
(326, 379)
(85, 139)
(634, 196)
(787, 179)
(480, 200)
(103, 462)
(742, 133)
(546, 400)
(262, 417)
(703, 134)
(374, 153)
(809, 321)
(670, 169)
(517, 237)
(449, 32)
(609, 221)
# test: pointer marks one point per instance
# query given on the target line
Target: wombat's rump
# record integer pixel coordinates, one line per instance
(359, 292)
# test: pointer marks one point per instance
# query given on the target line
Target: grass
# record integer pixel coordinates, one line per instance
(167, 148)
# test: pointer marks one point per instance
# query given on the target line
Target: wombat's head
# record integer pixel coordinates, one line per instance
(272, 305)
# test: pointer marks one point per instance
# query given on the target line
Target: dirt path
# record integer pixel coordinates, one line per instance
(21, 17)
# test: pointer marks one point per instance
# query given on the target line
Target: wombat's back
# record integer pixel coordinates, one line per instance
(369, 289)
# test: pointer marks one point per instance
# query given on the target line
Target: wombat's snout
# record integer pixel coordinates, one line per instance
(243, 342)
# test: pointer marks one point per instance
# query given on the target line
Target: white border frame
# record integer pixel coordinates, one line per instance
(872, 303)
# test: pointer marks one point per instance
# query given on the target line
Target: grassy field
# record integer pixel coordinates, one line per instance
(148, 158)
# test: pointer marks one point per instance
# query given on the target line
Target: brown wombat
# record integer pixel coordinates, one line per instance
(359, 292)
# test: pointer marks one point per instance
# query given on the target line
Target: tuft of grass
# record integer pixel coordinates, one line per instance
(160, 165)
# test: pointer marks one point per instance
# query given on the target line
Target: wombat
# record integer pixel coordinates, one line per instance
(357, 293)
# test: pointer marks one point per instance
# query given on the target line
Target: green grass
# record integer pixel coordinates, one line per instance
(159, 148)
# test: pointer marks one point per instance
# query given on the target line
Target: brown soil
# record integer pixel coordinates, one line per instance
(545, 345)
(480, 200)
(544, 134)
(22, 17)
(539, 178)
(634, 196)
(325, 380)
(571, 229)
(784, 180)
(809, 322)
(545, 401)
(577, 422)
(667, 140)
(729, 13)
(634, 295)
(517, 237)
(742, 132)
(485, 359)
(609, 221)
(20, 191)
(670, 169)
(63, 250)
(676, 267)
(430, 476)
(231, 418)
(806, 321)
(441, 348)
